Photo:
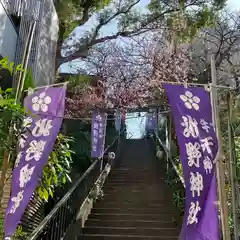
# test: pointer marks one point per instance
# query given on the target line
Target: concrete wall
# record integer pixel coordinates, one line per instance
(8, 35)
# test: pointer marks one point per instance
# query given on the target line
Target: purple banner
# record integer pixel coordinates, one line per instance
(151, 123)
(99, 123)
(192, 113)
(118, 121)
(35, 146)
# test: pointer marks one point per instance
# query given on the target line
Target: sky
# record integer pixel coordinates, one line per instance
(135, 125)
(234, 4)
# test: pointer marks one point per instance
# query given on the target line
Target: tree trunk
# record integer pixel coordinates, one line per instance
(58, 56)
(59, 44)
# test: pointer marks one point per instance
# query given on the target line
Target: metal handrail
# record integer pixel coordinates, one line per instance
(171, 160)
(61, 202)
(67, 196)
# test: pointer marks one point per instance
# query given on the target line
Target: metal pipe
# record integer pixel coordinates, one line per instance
(219, 158)
(22, 81)
(232, 166)
(198, 84)
(23, 63)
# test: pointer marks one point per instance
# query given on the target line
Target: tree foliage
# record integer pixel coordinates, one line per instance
(57, 171)
(88, 18)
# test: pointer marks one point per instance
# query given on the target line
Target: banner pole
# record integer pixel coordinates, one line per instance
(219, 161)
(18, 94)
(232, 165)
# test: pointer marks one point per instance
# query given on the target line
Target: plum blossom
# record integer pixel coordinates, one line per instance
(41, 102)
(190, 101)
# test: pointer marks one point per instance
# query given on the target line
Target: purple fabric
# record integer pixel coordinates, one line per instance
(118, 120)
(151, 123)
(99, 122)
(47, 109)
(191, 109)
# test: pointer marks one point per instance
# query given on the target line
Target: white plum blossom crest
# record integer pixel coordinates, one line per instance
(41, 102)
(190, 101)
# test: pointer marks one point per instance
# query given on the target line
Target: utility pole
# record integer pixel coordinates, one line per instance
(219, 158)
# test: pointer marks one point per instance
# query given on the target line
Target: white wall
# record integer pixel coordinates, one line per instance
(8, 35)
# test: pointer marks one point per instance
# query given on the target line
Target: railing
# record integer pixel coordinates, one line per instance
(169, 159)
(63, 215)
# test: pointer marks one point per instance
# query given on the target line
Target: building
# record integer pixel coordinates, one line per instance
(18, 18)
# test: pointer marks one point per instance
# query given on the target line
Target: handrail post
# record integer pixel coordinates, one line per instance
(232, 165)
(168, 139)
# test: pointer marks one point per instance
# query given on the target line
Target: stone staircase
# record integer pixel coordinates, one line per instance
(136, 204)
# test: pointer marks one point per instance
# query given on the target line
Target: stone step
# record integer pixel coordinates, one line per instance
(130, 223)
(128, 184)
(132, 204)
(136, 197)
(137, 203)
(137, 174)
(135, 192)
(131, 216)
(133, 231)
(141, 186)
(118, 183)
(127, 210)
(121, 237)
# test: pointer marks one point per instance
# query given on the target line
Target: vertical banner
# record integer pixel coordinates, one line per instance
(192, 113)
(118, 121)
(34, 147)
(99, 123)
(151, 123)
